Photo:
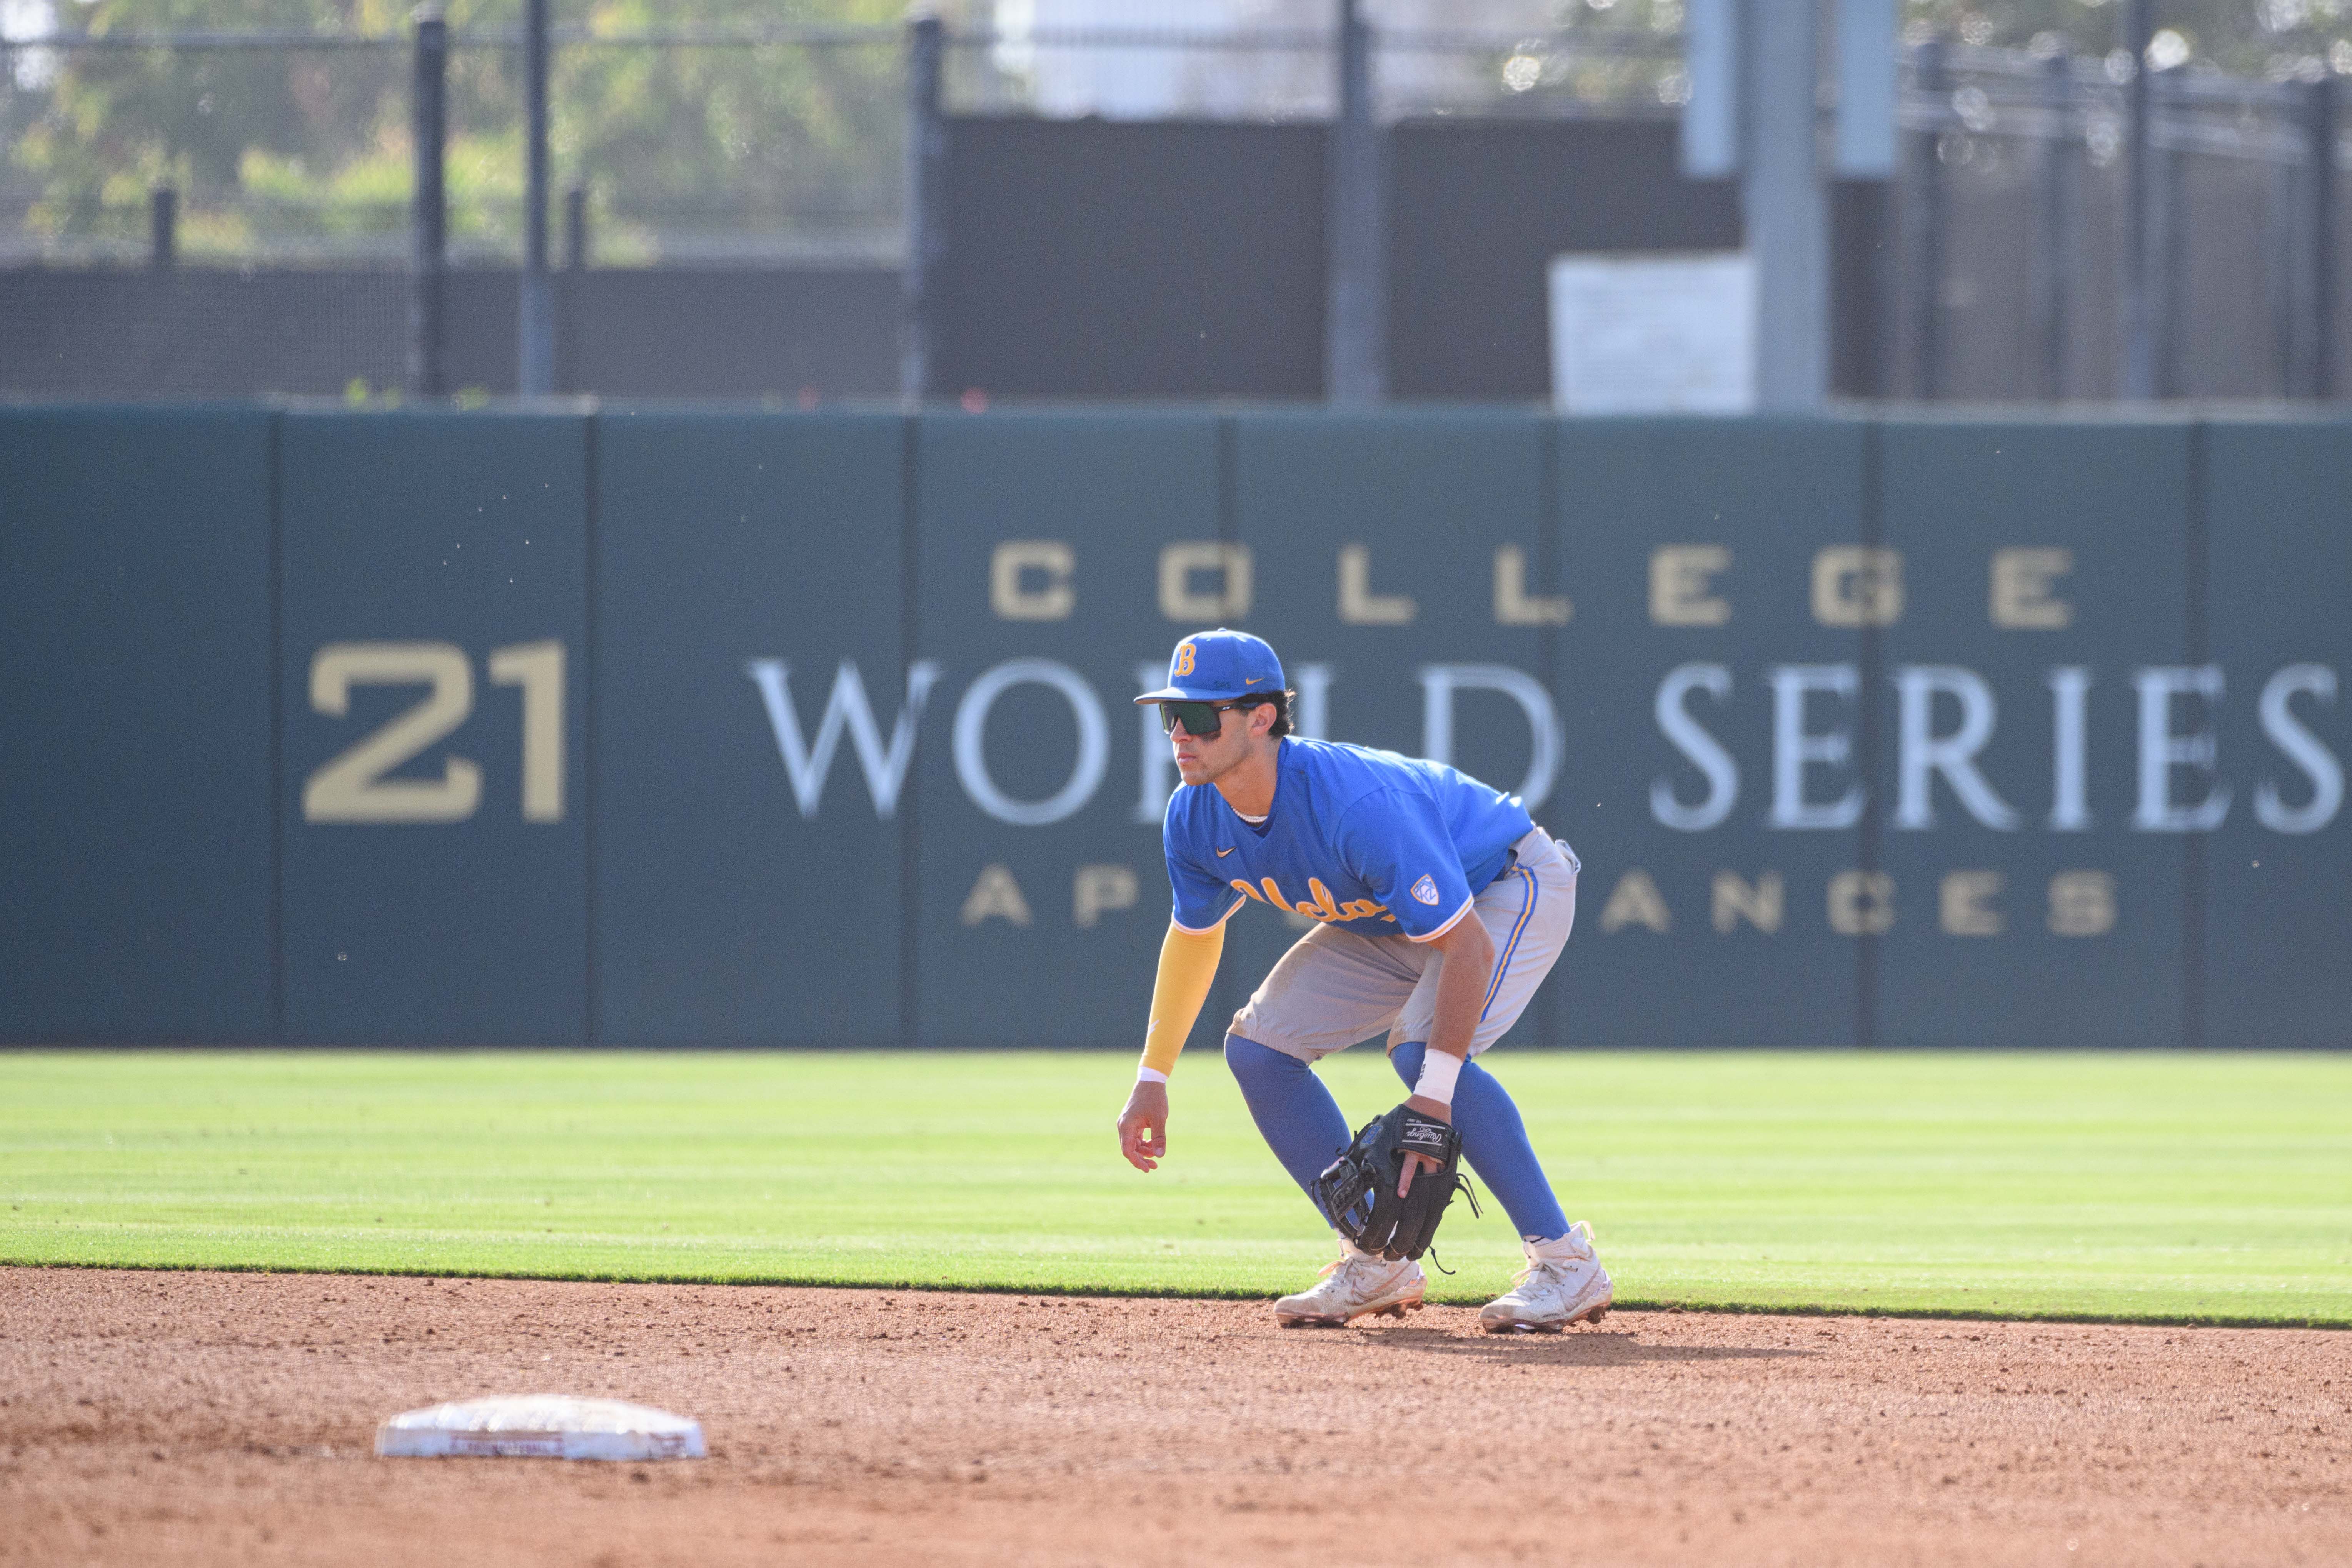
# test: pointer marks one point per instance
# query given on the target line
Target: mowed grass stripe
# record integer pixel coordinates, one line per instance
(2155, 1187)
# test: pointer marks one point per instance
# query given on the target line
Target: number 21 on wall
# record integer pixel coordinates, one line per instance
(352, 788)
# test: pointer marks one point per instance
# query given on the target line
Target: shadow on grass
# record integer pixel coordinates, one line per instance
(1576, 1347)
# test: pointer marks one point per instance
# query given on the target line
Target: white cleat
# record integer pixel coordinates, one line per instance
(1359, 1283)
(1563, 1283)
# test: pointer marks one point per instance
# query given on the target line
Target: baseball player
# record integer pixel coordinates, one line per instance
(1440, 907)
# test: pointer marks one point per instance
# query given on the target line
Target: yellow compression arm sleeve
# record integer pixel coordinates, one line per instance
(1187, 965)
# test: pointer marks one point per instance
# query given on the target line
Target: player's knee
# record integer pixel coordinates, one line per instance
(1407, 1059)
(1243, 1055)
(1254, 1064)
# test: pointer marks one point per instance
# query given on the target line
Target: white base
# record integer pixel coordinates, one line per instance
(539, 1427)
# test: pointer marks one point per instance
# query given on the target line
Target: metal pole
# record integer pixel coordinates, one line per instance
(567, 289)
(1866, 89)
(1787, 209)
(2319, 334)
(1714, 132)
(2137, 376)
(429, 216)
(2170, 318)
(1928, 220)
(2054, 213)
(1355, 348)
(535, 372)
(2282, 269)
(926, 171)
(163, 227)
(575, 229)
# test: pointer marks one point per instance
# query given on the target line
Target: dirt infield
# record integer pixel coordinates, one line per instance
(211, 1418)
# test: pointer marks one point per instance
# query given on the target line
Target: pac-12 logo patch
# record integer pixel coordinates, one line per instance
(1425, 891)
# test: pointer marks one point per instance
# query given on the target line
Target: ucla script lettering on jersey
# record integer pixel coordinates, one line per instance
(1381, 844)
(1319, 904)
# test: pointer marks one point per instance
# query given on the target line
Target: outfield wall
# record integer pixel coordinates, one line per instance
(711, 729)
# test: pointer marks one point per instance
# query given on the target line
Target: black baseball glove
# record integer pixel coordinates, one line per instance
(1358, 1190)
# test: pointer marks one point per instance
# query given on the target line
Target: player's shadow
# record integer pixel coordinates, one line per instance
(1575, 1347)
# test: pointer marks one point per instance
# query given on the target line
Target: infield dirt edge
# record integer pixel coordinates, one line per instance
(1205, 1293)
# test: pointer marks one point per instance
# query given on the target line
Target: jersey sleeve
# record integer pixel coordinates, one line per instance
(1397, 842)
(1203, 899)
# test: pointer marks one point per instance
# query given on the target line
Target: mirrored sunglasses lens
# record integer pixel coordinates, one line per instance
(1198, 718)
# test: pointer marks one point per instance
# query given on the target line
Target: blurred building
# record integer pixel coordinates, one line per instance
(1232, 72)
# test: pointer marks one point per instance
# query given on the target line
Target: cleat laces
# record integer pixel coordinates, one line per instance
(1341, 1277)
(1519, 1280)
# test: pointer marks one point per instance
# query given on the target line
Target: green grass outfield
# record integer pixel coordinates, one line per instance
(2214, 1188)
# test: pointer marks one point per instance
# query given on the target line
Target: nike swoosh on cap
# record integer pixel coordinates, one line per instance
(1253, 680)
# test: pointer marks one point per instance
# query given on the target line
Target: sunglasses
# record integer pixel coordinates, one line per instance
(1201, 719)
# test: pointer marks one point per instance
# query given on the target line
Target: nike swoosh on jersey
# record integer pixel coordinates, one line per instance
(1223, 853)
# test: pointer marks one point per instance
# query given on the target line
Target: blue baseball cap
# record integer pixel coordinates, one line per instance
(1217, 666)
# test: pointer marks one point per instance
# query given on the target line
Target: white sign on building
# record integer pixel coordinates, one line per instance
(1654, 333)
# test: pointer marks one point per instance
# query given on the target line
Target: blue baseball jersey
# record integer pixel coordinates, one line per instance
(1371, 841)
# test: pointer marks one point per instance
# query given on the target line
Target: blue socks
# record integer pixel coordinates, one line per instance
(1301, 1123)
(1495, 1142)
(1295, 1113)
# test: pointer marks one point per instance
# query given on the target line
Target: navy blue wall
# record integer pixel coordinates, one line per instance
(1987, 941)
(135, 826)
(463, 537)
(1688, 550)
(738, 555)
(1008, 952)
(734, 728)
(2273, 915)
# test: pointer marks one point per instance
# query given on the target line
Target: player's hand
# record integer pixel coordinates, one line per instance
(1143, 1126)
(1416, 1164)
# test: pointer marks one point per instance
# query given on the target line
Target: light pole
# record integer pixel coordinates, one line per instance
(535, 375)
(429, 222)
(2136, 375)
(1355, 356)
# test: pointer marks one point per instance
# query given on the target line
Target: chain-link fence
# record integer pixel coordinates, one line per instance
(2013, 214)
(718, 146)
(234, 156)
(1277, 74)
(715, 145)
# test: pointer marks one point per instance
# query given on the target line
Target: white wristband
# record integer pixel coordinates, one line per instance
(1150, 1075)
(1438, 1072)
